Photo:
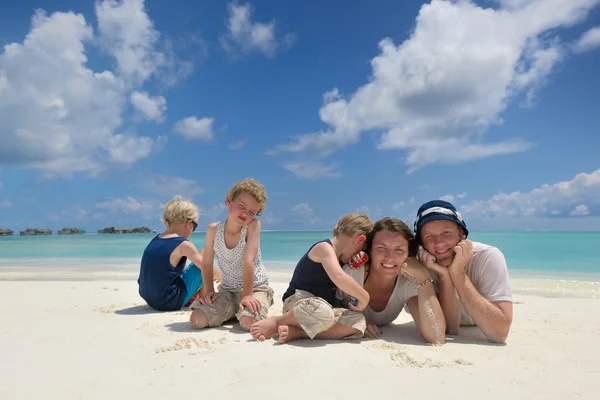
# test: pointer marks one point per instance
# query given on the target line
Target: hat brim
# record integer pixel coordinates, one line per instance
(438, 217)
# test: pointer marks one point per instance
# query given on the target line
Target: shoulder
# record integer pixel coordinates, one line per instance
(254, 226)
(487, 257)
(212, 228)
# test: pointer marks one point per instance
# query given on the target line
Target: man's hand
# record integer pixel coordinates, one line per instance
(463, 253)
(252, 303)
(429, 261)
(208, 298)
(414, 270)
(372, 331)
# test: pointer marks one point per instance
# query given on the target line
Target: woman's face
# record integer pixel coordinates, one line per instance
(388, 252)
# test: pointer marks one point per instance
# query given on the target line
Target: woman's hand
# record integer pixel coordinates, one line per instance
(372, 331)
(415, 271)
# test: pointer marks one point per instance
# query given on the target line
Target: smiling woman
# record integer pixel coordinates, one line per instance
(394, 278)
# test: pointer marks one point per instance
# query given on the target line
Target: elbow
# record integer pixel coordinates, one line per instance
(500, 335)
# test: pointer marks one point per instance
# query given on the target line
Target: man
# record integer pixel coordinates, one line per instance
(472, 277)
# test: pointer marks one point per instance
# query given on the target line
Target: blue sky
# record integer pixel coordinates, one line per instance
(111, 108)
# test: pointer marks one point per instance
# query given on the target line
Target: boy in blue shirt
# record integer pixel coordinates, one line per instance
(164, 282)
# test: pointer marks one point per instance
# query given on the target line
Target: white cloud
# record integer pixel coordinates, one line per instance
(64, 118)
(213, 213)
(549, 199)
(169, 186)
(236, 145)
(303, 212)
(580, 210)
(5, 205)
(243, 35)
(447, 197)
(435, 94)
(153, 108)
(130, 205)
(312, 170)
(398, 207)
(461, 195)
(128, 34)
(590, 40)
(195, 128)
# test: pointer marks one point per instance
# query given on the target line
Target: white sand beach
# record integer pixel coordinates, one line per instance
(94, 338)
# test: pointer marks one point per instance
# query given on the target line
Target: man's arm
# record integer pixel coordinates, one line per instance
(253, 241)
(428, 315)
(324, 254)
(449, 302)
(447, 294)
(493, 318)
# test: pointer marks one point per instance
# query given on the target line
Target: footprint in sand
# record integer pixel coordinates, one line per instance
(187, 344)
(401, 357)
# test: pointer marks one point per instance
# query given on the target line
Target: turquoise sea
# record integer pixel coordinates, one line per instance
(539, 252)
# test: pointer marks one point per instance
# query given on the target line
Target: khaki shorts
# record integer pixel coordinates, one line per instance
(316, 315)
(227, 305)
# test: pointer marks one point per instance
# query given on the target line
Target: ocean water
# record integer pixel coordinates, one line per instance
(539, 253)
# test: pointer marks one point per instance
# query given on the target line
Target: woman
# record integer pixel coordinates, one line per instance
(393, 280)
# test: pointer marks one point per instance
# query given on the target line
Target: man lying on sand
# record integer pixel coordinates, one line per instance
(472, 277)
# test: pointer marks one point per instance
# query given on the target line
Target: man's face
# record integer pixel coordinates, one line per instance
(439, 238)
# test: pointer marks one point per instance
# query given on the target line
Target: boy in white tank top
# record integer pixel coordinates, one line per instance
(244, 291)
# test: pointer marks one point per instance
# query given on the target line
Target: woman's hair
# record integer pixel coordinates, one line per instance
(393, 225)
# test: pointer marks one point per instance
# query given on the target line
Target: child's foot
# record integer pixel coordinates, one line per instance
(290, 333)
(263, 329)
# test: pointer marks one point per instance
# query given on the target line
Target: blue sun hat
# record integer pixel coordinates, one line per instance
(436, 210)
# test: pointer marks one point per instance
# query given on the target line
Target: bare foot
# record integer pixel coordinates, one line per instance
(290, 333)
(262, 329)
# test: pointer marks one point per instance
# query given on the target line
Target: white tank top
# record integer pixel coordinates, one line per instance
(231, 261)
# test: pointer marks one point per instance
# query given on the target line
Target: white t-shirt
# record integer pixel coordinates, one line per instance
(488, 272)
(404, 290)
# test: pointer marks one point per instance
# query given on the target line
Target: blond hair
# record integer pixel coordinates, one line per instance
(179, 210)
(353, 224)
(252, 187)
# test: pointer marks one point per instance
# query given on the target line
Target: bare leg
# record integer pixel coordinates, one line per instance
(267, 327)
(246, 322)
(199, 319)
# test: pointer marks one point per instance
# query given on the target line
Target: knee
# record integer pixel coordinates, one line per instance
(198, 319)
(246, 322)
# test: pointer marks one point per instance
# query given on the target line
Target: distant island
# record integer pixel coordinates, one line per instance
(71, 231)
(6, 232)
(36, 232)
(113, 230)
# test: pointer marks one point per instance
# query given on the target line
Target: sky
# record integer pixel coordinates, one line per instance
(110, 108)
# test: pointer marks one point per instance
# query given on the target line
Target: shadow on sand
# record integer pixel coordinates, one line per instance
(140, 309)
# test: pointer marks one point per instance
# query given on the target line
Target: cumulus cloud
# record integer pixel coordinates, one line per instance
(236, 145)
(572, 197)
(303, 212)
(153, 108)
(243, 35)
(310, 170)
(590, 40)
(169, 186)
(130, 205)
(65, 118)
(580, 210)
(195, 128)
(435, 94)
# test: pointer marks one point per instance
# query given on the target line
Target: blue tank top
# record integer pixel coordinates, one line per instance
(160, 283)
(311, 277)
